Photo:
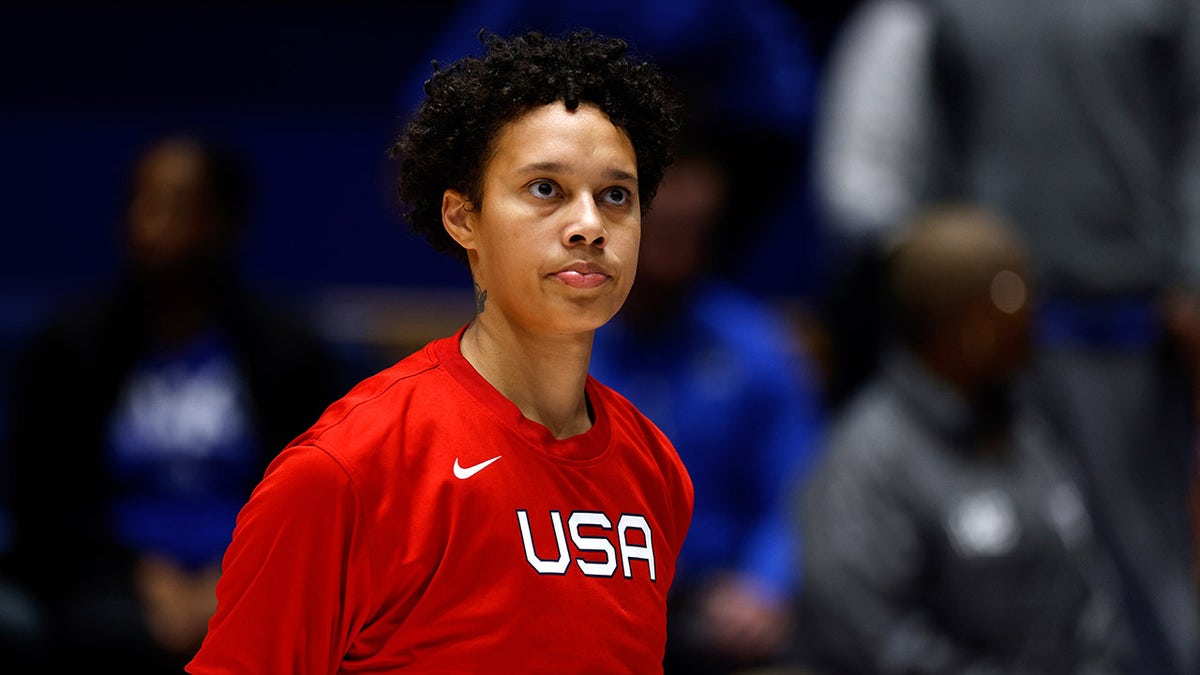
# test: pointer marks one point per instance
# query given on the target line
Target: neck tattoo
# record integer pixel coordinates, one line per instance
(480, 299)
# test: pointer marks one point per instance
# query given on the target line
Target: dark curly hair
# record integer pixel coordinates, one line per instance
(449, 139)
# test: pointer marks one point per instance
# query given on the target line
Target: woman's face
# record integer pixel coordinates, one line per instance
(554, 245)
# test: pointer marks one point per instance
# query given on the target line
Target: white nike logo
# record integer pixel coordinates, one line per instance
(467, 472)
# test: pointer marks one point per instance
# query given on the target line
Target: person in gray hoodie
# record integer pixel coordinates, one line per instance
(944, 530)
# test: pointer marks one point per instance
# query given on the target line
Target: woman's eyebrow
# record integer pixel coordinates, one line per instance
(561, 167)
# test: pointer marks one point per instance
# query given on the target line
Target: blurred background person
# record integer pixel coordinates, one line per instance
(141, 420)
(726, 376)
(943, 530)
(870, 168)
(1079, 120)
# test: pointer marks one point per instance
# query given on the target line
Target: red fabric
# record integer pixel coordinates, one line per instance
(361, 551)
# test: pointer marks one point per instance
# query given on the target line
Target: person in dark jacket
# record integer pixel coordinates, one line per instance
(141, 420)
(1078, 120)
(945, 531)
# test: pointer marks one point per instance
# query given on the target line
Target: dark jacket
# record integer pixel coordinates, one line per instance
(937, 546)
(66, 384)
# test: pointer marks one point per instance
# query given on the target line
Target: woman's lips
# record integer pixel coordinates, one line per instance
(579, 279)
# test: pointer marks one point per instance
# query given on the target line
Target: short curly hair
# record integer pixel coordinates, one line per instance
(450, 137)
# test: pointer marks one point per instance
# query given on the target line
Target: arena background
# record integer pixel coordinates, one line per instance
(308, 91)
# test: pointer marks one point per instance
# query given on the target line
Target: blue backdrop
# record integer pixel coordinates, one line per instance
(307, 94)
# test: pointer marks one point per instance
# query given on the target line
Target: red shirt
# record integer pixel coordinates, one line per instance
(424, 523)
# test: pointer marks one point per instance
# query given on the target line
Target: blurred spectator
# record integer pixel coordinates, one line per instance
(870, 168)
(725, 376)
(944, 532)
(1080, 121)
(141, 421)
(870, 147)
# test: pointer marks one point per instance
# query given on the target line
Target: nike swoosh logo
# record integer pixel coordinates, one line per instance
(464, 473)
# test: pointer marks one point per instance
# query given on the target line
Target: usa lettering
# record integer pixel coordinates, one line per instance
(592, 532)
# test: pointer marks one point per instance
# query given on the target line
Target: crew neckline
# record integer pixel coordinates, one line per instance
(588, 446)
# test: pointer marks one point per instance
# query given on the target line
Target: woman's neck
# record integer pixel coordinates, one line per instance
(544, 376)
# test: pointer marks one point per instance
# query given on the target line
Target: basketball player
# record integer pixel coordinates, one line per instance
(484, 505)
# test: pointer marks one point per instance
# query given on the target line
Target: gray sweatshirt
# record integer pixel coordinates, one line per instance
(1079, 119)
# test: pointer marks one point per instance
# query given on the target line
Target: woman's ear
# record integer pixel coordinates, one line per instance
(457, 218)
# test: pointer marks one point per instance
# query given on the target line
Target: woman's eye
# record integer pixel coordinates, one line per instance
(618, 196)
(544, 189)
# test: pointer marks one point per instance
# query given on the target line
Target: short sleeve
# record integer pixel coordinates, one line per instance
(295, 580)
